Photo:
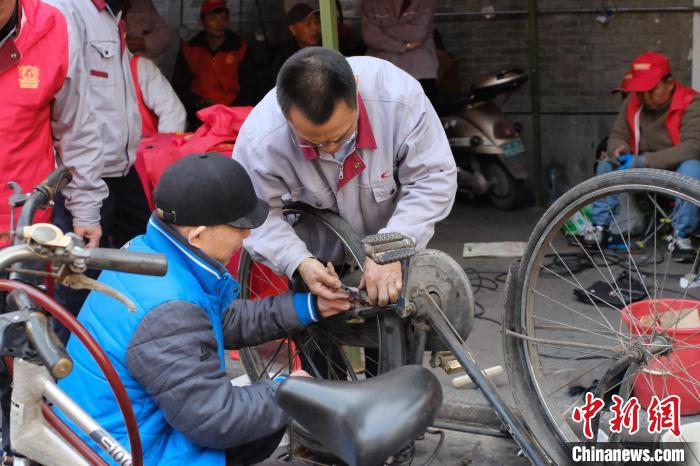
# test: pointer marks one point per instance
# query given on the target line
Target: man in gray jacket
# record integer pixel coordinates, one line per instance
(357, 136)
(99, 27)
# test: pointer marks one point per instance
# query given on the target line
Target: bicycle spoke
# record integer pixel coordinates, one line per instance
(578, 283)
(554, 300)
(567, 328)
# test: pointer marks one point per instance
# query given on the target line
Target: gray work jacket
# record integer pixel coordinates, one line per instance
(112, 95)
(401, 178)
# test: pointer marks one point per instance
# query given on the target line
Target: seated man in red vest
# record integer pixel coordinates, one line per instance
(208, 66)
(658, 127)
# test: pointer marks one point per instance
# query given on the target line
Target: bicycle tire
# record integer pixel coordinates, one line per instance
(391, 328)
(518, 355)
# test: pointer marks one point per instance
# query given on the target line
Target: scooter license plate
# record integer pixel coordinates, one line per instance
(513, 147)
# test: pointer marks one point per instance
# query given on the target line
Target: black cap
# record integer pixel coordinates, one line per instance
(300, 12)
(208, 189)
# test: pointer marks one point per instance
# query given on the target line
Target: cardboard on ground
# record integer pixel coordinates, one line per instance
(675, 318)
(494, 249)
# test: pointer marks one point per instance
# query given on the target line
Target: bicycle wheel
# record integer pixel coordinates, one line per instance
(570, 325)
(338, 348)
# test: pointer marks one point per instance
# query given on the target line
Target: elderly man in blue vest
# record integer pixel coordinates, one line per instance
(170, 352)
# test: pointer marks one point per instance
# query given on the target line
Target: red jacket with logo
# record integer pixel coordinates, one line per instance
(41, 89)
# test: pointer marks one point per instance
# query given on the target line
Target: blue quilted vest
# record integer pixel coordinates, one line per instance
(190, 278)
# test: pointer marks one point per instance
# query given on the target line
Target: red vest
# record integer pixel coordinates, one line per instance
(682, 97)
(214, 77)
(28, 84)
(149, 120)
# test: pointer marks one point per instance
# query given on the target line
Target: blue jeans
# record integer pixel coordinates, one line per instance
(685, 216)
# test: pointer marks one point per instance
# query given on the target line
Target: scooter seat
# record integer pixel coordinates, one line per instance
(446, 104)
(364, 422)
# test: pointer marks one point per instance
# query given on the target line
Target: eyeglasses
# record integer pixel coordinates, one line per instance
(304, 144)
(342, 142)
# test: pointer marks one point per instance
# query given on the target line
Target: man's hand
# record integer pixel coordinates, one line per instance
(300, 373)
(92, 234)
(625, 161)
(136, 44)
(331, 307)
(322, 281)
(619, 150)
(383, 282)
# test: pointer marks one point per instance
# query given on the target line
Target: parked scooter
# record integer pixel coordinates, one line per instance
(485, 143)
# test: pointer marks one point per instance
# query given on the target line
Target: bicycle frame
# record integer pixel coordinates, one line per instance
(30, 434)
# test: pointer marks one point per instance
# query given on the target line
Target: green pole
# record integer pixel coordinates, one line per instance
(533, 46)
(329, 24)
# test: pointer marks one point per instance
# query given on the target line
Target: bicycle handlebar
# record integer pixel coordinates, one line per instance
(41, 335)
(127, 261)
(42, 194)
(47, 243)
(56, 181)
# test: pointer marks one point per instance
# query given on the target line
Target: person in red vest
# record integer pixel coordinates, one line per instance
(161, 110)
(658, 127)
(45, 114)
(209, 65)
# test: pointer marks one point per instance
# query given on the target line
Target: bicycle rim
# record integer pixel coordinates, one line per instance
(566, 338)
(338, 348)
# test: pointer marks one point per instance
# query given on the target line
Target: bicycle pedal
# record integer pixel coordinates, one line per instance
(395, 255)
(382, 238)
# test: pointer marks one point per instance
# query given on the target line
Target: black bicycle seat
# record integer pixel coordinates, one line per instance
(364, 422)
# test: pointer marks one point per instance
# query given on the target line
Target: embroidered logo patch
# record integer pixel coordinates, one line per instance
(642, 66)
(28, 77)
(230, 59)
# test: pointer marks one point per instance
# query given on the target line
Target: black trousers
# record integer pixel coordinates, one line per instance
(124, 212)
(254, 452)
(124, 215)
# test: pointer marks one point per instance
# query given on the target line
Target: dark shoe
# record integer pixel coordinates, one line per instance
(595, 237)
(682, 250)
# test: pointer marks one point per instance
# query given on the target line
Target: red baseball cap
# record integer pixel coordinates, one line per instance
(647, 70)
(209, 6)
(625, 80)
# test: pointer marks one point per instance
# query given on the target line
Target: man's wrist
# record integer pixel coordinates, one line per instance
(297, 268)
(85, 225)
(306, 308)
